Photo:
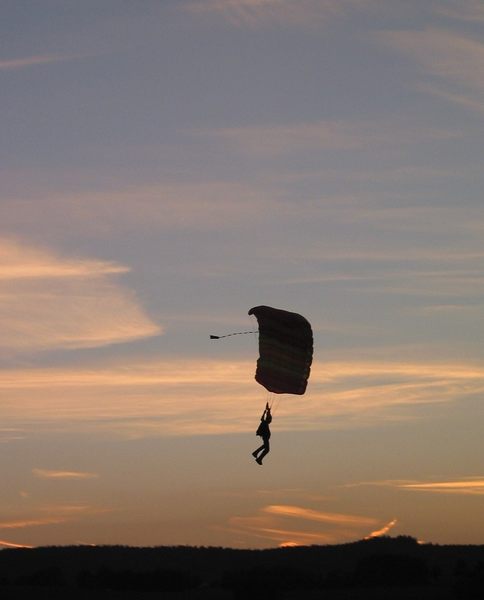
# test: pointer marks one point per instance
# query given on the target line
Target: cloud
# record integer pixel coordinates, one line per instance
(50, 474)
(51, 302)
(318, 516)
(447, 308)
(188, 397)
(19, 261)
(11, 434)
(38, 522)
(290, 525)
(452, 59)
(462, 10)
(256, 13)
(5, 544)
(262, 12)
(31, 61)
(57, 515)
(383, 530)
(210, 207)
(466, 101)
(277, 140)
(437, 276)
(468, 486)
(201, 206)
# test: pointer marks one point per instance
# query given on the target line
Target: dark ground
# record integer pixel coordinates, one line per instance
(382, 568)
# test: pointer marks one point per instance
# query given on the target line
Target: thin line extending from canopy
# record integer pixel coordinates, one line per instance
(218, 337)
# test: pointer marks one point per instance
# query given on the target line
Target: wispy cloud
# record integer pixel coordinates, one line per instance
(383, 530)
(447, 308)
(19, 261)
(25, 523)
(467, 486)
(290, 525)
(11, 434)
(31, 61)
(308, 514)
(48, 301)
(462, 10)
(262, 12)
(255, 13)
(201, 206)
(454, 60)
(153, 398)
(277, 140)
(5, 544)
(467, 101)
(52, 474)
(56, 515)
(207, 207)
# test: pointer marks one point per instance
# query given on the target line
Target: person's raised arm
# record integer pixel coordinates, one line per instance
(266, 410)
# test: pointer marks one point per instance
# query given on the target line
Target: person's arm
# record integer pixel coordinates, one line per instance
(267, 410)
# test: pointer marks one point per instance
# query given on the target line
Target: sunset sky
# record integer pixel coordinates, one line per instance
(168, 164)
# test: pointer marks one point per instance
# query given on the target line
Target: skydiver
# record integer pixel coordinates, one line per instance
(265, 433)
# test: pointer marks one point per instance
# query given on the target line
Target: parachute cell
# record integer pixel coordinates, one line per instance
(285, 350)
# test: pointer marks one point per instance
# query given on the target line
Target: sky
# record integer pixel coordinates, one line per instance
(167, 165)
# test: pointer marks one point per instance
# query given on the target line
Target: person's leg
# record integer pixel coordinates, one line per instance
(265, 450)
(259, 449)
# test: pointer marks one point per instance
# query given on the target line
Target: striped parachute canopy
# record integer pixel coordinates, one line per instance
(285, 350)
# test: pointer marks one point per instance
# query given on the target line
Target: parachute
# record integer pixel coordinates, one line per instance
(285, 350)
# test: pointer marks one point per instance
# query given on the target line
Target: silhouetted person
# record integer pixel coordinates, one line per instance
(265, 433)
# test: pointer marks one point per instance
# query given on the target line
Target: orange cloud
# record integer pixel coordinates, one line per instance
(465, 486)
(62, 514)
(11, 434)
(47, 516)
(20, 261)
(296, 525)
(270, 531)
(472, 486)
(5, 544)
(316, 515)
(156, 397)
(383, 530)
(24, 523)
(48, 474)
(51, 302)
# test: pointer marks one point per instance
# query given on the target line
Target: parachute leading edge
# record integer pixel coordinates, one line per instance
(285, 350)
